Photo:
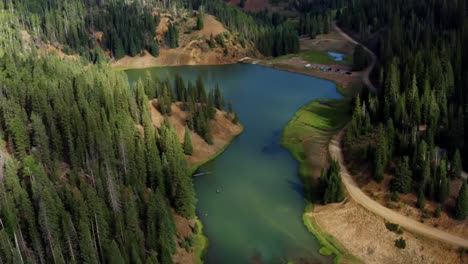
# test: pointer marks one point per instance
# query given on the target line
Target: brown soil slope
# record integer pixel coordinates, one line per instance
(194, 48)
(222, 128)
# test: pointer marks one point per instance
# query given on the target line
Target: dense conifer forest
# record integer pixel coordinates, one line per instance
(128, 27)
(85, 177)
(90, 179)
(416, 126)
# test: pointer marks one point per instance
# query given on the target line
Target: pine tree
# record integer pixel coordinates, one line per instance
(40, 139)
(212, 42)
(119, 51)
(461, 206)
(172, 36)
(331, 185)
(218, 99)
(378, 166)
(360, 60)
(356, 120)
(164, 225)
(421, 203)
(188, 149)
(443, 184)
(19, 134)
(113, 254)
(207, 135)
(456, 167)
(200, 91)
(402, 182)
(152, 259)
(200, 23)
(154, 48)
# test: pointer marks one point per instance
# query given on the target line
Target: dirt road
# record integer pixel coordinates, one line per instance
(367, 71)
(361, 198)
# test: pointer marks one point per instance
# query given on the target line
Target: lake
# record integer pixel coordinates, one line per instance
(257, 214)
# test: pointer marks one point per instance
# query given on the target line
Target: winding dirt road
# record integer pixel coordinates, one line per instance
(365, 74)
(361, 198)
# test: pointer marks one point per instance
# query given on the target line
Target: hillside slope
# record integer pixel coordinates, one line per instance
(222, 127)
(194, 46)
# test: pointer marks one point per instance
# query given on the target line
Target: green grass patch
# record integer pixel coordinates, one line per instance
(200, 243)
(308, 133)
(325, 251)
(322, 57)
(320, 118)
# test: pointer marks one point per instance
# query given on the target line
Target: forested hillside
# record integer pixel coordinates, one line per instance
(85, 177)
(91, 28)
(416, 127)
(272, 34)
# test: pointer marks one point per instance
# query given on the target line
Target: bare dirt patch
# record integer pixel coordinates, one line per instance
(211, 26)
(184, 230)
(364, 235)
(182, 56)
(222, 128)
(194, 48)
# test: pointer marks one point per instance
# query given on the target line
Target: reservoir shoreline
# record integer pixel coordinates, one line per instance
(320, 234)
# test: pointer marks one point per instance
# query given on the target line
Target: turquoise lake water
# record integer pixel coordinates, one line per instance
(257, 215)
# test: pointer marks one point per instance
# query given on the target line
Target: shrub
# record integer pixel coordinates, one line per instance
(325, 251)
(235, 120)
(392, 227)
(191, 240)
(462, 252)
(220, 40)
(242, 42)
(395, 196)
(437, 212)
(425, 214)
(400, 243)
